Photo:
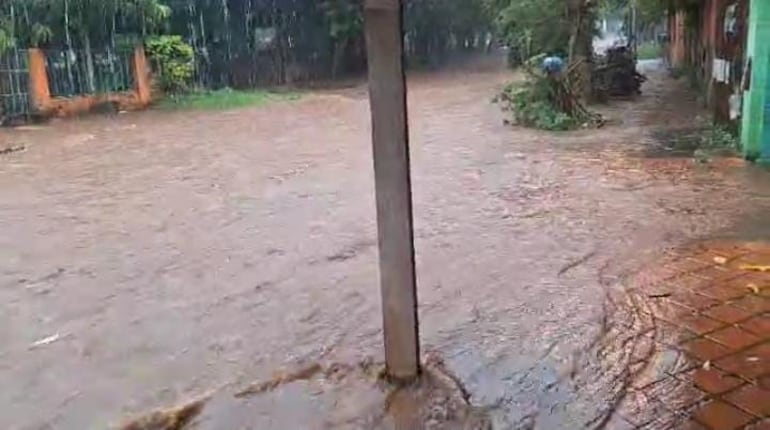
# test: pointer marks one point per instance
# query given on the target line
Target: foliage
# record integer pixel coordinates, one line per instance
(651, 12)
(75, 23)
(6, 40)
(649, 51)
(345, 18)
(648, 12)
(245, 42)
(720, 137)
(224, 99)
(531, 105)
(702, 143)
(556, 27)
(531, 27)
(435, 28)
(546, 102)
(173, 58)
(40, 34)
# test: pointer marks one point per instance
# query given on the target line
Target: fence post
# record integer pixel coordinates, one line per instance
(39, 90)
(142, 85)
(390, 141)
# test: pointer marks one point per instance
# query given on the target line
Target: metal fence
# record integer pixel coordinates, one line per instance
(72, 73)
(14, 84)
(213, 70)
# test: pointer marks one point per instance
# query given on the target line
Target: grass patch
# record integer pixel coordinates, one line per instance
(224, 99)
(717, 141)
(700, 143)
(649, 51)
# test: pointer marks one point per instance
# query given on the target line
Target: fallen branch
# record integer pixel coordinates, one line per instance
(576, 263)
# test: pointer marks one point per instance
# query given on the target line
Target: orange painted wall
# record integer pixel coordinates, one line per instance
(39, 91)
(45, 105)
(142, 78)
(698, 47)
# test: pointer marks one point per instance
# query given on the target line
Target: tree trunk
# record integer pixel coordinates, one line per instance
(340, 48)
(90, 76)
(111, 53)
(582, 18)
(68, 40)
(228, 42)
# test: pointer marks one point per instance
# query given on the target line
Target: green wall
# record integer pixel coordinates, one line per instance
(755, 130)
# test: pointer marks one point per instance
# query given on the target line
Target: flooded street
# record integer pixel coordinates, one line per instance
(150, 258)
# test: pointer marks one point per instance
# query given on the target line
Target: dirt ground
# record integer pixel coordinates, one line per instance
(148, 258)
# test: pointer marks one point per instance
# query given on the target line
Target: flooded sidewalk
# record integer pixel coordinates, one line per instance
(703, 345)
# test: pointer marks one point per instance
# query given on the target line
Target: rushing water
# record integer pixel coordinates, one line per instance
(176, 253)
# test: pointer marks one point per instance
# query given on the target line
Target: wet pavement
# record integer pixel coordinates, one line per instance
(705, 356)
(150, 259)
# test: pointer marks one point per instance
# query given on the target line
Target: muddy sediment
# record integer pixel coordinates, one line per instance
(331, 396)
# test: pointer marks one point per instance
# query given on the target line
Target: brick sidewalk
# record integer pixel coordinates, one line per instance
(708, 365)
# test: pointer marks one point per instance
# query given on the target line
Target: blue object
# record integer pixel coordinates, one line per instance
(553, 64)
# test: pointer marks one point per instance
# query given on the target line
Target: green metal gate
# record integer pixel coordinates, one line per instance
(14, 84)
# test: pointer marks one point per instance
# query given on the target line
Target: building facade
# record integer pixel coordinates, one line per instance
(724, 47)
(755, 126)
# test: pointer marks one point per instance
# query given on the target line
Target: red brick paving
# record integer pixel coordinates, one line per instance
(729, 313)
(734, 338)
(705, 349)
(719, 415)
(714, 381)
(752, 399)
(716, 311)
(757, 325)
(699, 324)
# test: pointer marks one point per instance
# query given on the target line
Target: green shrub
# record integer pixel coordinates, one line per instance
(531, 106)
(534, 103)
(715, 141)
(649, 51)
(721, 137)
(174, 61)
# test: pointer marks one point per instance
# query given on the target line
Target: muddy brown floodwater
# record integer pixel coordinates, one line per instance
(149, 258)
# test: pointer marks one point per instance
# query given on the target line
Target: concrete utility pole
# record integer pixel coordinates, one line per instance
(390, 141)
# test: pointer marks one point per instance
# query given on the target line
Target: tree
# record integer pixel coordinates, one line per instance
(531, 27)
(582, 19)
(346, 24)
(76, 24)
(233, 38)
(554, 27)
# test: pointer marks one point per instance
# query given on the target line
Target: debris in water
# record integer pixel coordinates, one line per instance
(755, 268)
(287, 378)
(753, 288)
(576, 263)
(11, 149)
(707, 365)
(720, 260)
(46, 341)
(169, 419)
(359, 395)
